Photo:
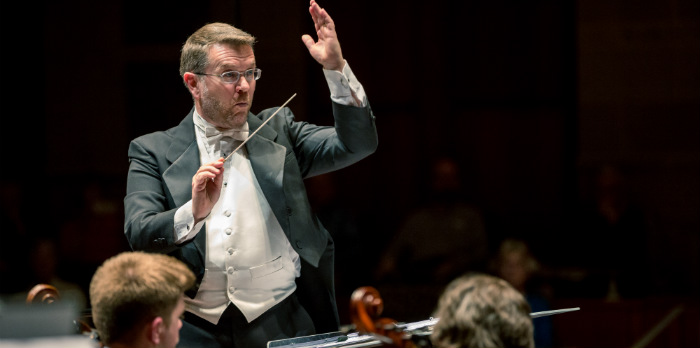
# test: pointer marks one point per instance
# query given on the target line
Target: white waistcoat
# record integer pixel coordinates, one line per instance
(249, 260)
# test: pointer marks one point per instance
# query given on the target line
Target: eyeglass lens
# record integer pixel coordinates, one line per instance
(233, 76)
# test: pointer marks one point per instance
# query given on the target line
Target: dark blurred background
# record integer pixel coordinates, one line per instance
(571, 126)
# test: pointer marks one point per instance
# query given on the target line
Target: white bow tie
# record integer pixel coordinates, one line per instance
(223, 142)
(214, 135)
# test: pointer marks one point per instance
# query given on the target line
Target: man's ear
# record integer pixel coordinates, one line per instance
(192, 83)
(156, 329)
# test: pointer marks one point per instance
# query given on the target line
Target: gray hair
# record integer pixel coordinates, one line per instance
(481, 311)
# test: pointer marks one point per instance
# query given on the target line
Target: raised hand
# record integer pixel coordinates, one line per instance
(326, 50)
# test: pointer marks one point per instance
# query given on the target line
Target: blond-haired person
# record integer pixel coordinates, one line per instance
(137, 300)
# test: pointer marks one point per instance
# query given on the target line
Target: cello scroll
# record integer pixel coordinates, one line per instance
(366, 306)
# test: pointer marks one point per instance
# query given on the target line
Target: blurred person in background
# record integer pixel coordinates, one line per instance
(515, 263)
(441, 239)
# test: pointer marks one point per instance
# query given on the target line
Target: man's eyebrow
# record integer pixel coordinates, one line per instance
(227, 67)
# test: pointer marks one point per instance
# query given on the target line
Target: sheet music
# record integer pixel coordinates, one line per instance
(418, 325)
(335, 339)
(357, 340)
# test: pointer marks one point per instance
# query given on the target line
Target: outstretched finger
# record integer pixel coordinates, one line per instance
(320, 17)
(314, 14)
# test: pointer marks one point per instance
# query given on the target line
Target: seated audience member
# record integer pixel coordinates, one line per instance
(516, 264)
(479, 310)
(440, 239)
(137, 300)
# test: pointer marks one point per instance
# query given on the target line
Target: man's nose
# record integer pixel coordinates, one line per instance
(243, 85)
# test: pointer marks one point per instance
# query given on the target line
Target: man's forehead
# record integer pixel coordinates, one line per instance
(223, 54)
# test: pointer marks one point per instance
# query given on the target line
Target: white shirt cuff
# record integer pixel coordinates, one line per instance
(345, 88)
(185, 228)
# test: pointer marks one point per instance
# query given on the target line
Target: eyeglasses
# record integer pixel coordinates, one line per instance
(234, 76)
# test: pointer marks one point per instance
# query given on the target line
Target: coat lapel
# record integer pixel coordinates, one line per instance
(184, 156)
(267, 159)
